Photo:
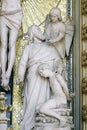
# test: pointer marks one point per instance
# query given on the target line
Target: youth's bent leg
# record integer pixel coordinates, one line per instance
(47, 109)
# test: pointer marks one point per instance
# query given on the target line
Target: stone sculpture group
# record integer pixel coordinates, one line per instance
(45, 89)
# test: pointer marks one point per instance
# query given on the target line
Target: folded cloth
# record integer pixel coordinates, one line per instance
(11, 19)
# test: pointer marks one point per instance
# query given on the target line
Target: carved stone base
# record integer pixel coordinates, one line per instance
(51, 127)
(44, 122)
(47, 128)
(3, 127)
(3, 124)
(4, 108)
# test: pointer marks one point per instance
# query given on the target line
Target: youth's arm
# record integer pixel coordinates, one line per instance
(63, 84)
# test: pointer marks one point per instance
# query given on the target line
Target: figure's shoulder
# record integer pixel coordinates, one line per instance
(62, 26)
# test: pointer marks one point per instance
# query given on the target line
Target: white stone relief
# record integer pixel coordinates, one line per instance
(45, 89)
(10, 22)
(46, 75)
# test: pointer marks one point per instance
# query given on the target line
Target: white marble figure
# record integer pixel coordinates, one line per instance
(57, 33)
(59, 90)
(10, 22)
(48, 48)
(35, 53)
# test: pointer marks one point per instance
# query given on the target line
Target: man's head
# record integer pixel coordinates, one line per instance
(35, 32)
(44, 70)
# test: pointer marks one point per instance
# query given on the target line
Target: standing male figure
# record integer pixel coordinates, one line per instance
(10, 22)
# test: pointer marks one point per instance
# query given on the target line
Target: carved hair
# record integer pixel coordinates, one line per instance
(36, 32)
(57, 12)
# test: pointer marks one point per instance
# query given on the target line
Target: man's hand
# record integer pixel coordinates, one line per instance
(19, 80)
(51, 41)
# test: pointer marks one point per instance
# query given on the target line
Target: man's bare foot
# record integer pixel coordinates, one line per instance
(71, 96)
(5, 85)
(6, 88)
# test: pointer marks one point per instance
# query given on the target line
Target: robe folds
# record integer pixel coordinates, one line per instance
(36, 88)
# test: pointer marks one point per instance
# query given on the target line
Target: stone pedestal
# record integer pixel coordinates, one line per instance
(3, 110)
(4, 124)
(44, 122)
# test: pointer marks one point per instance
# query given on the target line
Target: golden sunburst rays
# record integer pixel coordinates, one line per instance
(35, 11)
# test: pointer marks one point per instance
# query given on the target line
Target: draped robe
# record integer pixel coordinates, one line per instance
(36, 88)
